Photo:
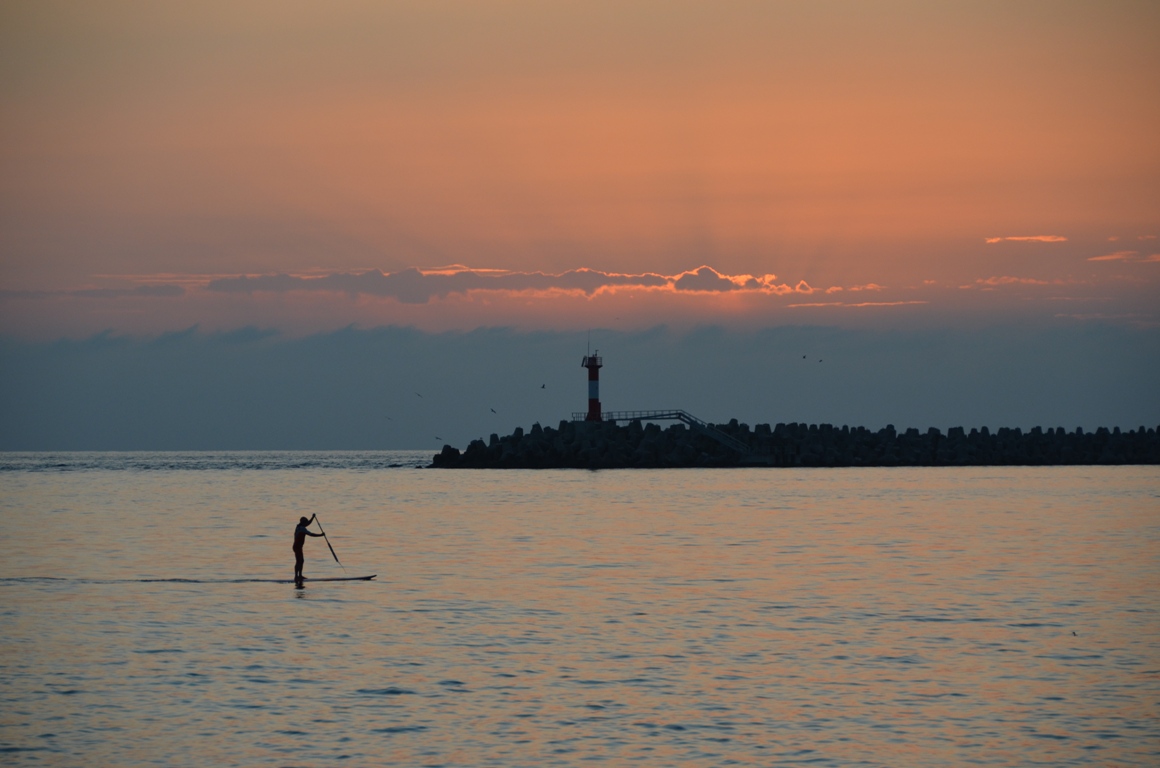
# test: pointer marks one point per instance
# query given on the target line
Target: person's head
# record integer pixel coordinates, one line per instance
(304, 520)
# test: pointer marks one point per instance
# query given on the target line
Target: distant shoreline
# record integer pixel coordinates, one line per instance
(605, 445)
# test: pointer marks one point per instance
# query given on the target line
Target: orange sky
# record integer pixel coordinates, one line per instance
(837, 143)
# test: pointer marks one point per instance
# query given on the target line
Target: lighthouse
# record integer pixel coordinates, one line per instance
(593, 363)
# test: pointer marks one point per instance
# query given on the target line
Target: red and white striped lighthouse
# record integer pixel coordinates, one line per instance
(593, 363)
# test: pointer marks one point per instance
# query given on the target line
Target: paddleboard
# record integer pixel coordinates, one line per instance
(341, 578)
(313, 581)
(185, 581)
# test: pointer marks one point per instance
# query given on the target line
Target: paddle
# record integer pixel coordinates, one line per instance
(327, 540)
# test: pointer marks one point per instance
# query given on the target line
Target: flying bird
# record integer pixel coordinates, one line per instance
(437, 437)
(803, 357)
(543, 386)
(417, 394)
(491, 409)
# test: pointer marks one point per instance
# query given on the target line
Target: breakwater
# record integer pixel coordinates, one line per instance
(606, 445)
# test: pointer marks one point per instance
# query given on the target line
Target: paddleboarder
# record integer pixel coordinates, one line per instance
(300, 534)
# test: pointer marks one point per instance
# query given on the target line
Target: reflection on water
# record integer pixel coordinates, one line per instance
(751, 617)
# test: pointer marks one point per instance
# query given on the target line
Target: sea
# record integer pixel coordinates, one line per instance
(997, 616)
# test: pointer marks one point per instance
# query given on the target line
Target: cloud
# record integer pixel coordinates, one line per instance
(1028, 239)
(992, 282)
(416, 286)
(858, 304)
(854, 288)
(1118, 256)
(140, 290)
(100, 293)
(459, 297)
(709, 279)
(436, 299)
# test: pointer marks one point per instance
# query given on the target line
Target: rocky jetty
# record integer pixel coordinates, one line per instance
(606, 445)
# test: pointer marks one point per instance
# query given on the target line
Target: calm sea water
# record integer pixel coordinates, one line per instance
(893, 617)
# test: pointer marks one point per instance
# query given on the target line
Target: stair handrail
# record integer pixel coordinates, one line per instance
(673, 415)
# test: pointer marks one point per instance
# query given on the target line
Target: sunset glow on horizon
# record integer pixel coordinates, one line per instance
(835, 145)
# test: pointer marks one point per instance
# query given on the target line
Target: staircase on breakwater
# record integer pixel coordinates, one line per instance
(747, 454)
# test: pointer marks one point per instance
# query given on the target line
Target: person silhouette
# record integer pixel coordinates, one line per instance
(300, 534)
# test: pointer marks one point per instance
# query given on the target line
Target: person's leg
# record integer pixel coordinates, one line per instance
(298, 561)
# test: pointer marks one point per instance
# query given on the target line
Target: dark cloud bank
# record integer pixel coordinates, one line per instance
(412, 286)
(100, 293)
(401, 388)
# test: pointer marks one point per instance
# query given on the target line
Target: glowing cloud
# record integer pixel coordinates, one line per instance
(859, 304)
(415, 286)
(1027, 239)
(709, 279)
(989, 283)
(1117, 256)
(457, 297)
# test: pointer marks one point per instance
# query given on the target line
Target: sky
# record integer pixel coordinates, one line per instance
(892, 170)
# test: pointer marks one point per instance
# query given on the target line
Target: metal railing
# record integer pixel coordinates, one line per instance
(673, 415)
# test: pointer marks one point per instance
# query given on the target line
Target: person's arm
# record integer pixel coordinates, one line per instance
(312, 533)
